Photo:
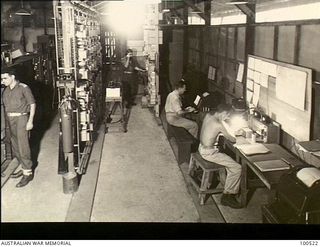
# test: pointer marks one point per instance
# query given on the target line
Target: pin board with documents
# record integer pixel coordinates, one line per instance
(283, 91)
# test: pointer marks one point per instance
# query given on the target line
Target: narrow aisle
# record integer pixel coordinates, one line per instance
(139, 179)
(42, 200)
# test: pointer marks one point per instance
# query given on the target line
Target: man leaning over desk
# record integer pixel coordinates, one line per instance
(214, 125)
(175, 113)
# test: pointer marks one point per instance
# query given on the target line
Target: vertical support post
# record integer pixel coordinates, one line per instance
(276, 42)
(225, 58)
(297, 45)
(45, 20)
(249, 45)
(235, 45)
(185, 39)
(207, 12)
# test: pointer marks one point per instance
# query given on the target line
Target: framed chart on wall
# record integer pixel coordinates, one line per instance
(283, 91)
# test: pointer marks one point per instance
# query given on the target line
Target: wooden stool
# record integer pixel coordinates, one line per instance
(207, 185)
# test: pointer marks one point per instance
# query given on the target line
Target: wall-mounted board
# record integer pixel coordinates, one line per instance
(284, 93)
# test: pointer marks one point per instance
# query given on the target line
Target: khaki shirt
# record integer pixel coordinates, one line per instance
(18, 99)
(173, 103)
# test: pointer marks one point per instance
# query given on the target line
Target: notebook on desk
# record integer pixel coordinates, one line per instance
(251, 149)
(311, 146)
(271, 165)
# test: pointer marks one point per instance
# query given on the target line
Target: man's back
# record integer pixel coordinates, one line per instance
(212, 126)
(210, 130)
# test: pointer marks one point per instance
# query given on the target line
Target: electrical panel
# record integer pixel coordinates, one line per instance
(111, 47)
(80, 89)
(44, 63)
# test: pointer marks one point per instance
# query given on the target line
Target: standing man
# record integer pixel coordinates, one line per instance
(129, 78)
(174, 111)
(213, 125)
(20, 108)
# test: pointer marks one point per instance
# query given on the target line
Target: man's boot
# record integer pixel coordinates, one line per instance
(230, 201)
(24, 180)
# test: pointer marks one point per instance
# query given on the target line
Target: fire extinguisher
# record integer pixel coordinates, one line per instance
(66, 108)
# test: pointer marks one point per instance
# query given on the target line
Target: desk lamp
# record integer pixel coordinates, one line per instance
(238, 118)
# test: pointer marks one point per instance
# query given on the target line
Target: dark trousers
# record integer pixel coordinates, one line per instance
(130, 88)
(20, 140)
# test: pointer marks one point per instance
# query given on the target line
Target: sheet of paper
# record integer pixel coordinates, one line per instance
(256, 77)
(262, 67)
(251, 61)
(264, 80)
(251, 149)
(256, 94)
(250, 73)
(240, 72)
(249, 96)
(209, 72)
(16, 53)
(250, 84)
(270, 69)
(113, 92)
(196, 101)
(205, 94)
(213, 74)
(291, 86)
(258, 65)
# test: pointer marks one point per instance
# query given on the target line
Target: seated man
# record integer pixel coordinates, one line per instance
(174, 111)
(213, 125)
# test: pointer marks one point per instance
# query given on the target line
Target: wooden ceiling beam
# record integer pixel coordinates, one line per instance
(98, 4)
(195, 8)
(249, 10)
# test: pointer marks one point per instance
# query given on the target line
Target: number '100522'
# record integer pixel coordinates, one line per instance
(309, 243)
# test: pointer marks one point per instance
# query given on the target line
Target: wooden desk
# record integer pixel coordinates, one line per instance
(270, 178)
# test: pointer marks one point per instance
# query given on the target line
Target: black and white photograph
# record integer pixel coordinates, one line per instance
(160, 119)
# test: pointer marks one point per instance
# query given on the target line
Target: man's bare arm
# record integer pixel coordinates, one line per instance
(31, 116)
(227, 132)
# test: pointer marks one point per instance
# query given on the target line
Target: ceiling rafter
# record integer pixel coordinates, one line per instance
(98, 4)
(248, 9)
(195, 8)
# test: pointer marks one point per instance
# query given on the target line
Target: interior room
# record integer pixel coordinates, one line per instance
(160, 111)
